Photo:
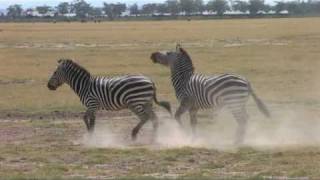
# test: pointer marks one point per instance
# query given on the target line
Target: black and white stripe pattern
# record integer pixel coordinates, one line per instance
(196, 91)
(135, 92)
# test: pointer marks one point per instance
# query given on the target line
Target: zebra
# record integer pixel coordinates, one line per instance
(197, 91)
(133, 92)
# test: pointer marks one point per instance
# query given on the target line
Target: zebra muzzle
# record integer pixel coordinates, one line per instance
(154, 57)
(51, 87)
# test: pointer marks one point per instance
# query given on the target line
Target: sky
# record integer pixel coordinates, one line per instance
(32, 3)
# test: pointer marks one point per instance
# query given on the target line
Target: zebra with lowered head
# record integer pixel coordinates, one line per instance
(134, 92)
(196, 91)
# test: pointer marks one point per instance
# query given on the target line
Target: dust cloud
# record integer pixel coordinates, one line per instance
(100, 140)
(103, 137)
(288, 127)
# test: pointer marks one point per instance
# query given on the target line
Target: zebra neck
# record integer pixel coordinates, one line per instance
(79, 82)
(180, 80)
(181, 72)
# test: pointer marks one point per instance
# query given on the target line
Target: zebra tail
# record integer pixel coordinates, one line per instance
(262, 107)
(164, 104)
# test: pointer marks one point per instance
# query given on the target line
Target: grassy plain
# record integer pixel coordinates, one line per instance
(279, 56)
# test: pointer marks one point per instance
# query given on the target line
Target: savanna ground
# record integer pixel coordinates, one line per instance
(42, 134)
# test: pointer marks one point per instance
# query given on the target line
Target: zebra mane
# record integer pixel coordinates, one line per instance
(74, 65)
(186, 57)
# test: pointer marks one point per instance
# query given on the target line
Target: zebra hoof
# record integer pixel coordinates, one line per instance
(239, 143)
(134, 137)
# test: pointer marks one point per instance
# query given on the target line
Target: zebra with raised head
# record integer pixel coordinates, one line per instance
(134, 92)
(196, 91)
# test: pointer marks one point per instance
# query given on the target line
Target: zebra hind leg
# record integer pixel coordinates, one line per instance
(154, 119)
(143, 116)
(215, 114)
(241, 116)
(155, 124)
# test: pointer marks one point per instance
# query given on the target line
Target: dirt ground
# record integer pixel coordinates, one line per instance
(58, 147)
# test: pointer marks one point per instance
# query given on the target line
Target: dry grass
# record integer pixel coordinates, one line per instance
(279, 56)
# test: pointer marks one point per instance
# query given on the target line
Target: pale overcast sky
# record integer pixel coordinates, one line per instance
(32, 3)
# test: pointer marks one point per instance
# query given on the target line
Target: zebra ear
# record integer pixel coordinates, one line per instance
(60, 61)
(184, 52)
(178, 46)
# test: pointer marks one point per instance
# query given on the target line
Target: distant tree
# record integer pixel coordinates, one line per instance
(63, 8)
(162, 8)
(114, 10)
(297, 7)
(187, 6)
(149, 8)
(95, 12)
(43, 9)
(29, 12)
(119, 8)
(219, 6)
(280, 6)
(267, 8)
(134, 10)
(199, 6)
(108, 10)
(81, 8)
(173, 6)
(241, 6)
(255, 6)
(315, 6)
(14, 11)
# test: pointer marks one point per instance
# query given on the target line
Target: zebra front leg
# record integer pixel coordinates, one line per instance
(193, 121)
(92, 122)
(92, 117)
(184, 106)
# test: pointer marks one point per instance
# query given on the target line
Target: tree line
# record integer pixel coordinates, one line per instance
(82, 9)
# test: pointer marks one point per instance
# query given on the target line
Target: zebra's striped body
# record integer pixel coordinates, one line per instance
(215, 91)
(117, 93)
(196, 91)
(134, 92)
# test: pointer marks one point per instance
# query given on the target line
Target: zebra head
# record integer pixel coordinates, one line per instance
(165, 58)
(172, 58)
(58, 77)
